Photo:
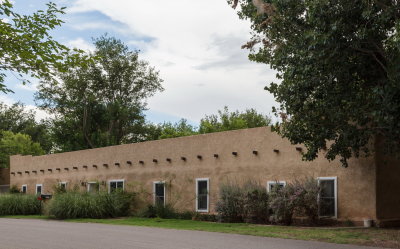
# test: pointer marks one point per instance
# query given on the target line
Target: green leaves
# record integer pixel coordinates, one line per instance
(100, 104)
(16, 143)
(338, 65)
(27, 48)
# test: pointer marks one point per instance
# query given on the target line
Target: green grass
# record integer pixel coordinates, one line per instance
(359, 236)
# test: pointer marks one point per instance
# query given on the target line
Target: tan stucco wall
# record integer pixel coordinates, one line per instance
(356, 184)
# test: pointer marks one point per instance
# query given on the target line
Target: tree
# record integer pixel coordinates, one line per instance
(16, 143)
(179, 129)
(17, 119)
(102, 104)
(338, 62)
(226, 121)
(26, 47)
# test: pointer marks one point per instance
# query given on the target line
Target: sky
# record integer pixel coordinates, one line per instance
(195, 44)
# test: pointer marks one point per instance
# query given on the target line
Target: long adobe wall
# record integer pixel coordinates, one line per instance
(356, 184)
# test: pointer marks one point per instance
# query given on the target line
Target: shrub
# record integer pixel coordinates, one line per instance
(282, 205)
(256, 207)
(205, 217)
(230, 206)
(164, 212)
(247, 203)
(306, 198)
(19, 204)
(14, 190)
(71, 205)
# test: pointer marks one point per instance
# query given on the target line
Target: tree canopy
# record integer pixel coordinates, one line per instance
(338, 66)
(16, 143)
(26, 47)
(226, 120)
(101, 104)
(18, 119)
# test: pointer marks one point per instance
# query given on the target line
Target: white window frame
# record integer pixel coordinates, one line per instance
(65, 183)
(208, 195)
(154, 191)
(116, 180)
(89, 183)
(270, 183)
(41, 188)
(335, 193)
(26, 188)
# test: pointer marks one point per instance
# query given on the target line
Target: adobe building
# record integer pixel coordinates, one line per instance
(187, 172)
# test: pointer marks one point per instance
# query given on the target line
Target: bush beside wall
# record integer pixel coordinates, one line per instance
(19, 204)
(243, 203)
(252, 203)
(72, 205)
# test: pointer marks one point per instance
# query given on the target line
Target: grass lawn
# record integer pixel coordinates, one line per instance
(360, 236)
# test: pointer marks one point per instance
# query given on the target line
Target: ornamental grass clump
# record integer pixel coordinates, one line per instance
(19, 204)
(72, 205)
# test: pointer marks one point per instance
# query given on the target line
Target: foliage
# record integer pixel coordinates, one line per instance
(238, 203)
(164, 212)
(26, 47)
(282, 205)
(102, 104)
(338, 63)
(72, 205)
(226, 120)
(305, 195)
(12, 144)
(179, 129)
(14, 190)
(230, 205)
(18, 119)
(256, 205)
(205, 217)
(19, 204)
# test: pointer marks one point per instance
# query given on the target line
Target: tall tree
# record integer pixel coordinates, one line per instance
(338, 62)
(26, 47)
(102, 104)
(16, 143)
(226, 120)
(18, 119)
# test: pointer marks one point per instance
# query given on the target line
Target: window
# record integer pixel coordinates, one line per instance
(115, 185)
(39, 189)
(63, 186)
(328, 197)
(202, 194)
(24, 188)
(93, 187)
(271, 185)
(159, 193)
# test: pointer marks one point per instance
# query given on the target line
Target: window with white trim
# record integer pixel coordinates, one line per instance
(327, 197)
(63, 186)
(39, 189)
(202, 194)
(116, 185)
(24, 188)
(272, 185)
(93, 187)
(159, 193)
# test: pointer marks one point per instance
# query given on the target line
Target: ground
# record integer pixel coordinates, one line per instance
(50, 234)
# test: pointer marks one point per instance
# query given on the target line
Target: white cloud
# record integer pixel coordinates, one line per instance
(80, 44)
(6, 100)
(196, 46)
